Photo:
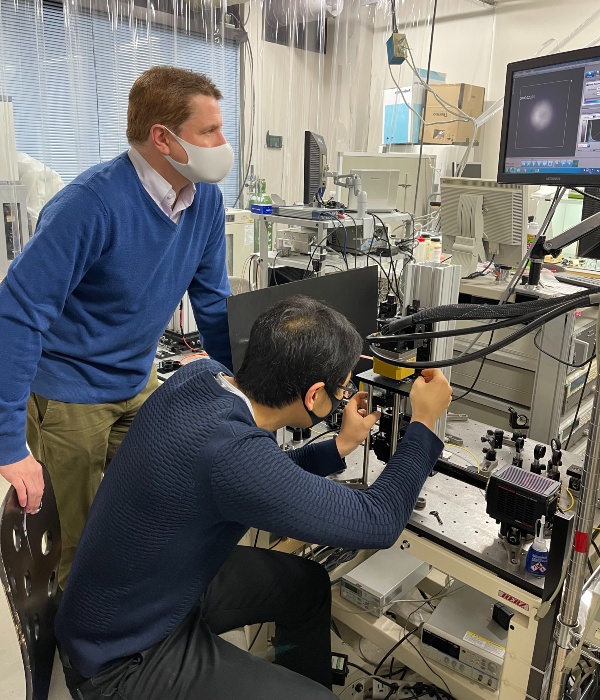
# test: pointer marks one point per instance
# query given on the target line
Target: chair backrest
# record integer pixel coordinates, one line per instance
(30, 547)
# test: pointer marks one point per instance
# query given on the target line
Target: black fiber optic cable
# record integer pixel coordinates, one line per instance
(480, 312)
(544, 318)
(504, 323)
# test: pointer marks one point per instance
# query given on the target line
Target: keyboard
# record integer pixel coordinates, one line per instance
(585, 281)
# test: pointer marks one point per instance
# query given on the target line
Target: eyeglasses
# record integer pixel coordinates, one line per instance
(349, 390)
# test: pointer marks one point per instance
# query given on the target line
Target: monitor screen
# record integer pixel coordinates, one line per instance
(551, 120)
(315, 166)
(353, 293)
(589, 246)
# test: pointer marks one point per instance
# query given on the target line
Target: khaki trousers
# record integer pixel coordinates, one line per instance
(76, 442)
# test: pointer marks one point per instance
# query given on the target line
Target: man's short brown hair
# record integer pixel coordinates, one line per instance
(162, 95)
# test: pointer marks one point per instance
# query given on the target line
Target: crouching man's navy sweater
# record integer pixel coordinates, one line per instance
(193, 473)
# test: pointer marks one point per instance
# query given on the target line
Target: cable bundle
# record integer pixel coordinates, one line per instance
(531, 314)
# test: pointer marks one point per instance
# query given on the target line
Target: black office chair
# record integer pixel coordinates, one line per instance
(30, 548)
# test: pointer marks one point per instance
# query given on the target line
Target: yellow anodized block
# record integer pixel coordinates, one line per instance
(391, 371)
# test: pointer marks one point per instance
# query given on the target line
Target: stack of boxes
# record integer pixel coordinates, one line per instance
(401, 125)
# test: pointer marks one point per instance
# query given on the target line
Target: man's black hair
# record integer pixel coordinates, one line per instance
(297, 342)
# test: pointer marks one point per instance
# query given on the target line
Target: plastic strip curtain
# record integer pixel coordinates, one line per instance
(65, 73)
(321, 65)
(285, 66)
(311, 61)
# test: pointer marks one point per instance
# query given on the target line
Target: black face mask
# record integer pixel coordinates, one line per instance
(335, 404)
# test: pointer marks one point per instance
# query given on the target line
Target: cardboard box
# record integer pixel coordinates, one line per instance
(400, 125)
(468, 98)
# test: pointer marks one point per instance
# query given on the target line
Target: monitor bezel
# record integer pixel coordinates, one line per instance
(567, 179)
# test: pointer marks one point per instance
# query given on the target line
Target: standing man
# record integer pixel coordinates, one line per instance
(83, 307)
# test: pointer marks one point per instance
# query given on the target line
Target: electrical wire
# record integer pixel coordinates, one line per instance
(511, 286)
(360, 668)
(355, 233)
(393, 649)
(544, 318)
(252, 111)
(255, 636)
(524, 319)
(273, 268)
(359, 252)
(429, 667)
(183, 338)
(481, 273)
(481, 312)
(479, 371)
(432, 34)
(557, 359)
(566, 510)
(316, 247)
(389, 243)
(464, 449)
(443, 593)
(585, 194)
(585, 381)
(339, 223)
(326, 432)
(470, 330)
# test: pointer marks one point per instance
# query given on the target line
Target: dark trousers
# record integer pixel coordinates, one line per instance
(193, 663)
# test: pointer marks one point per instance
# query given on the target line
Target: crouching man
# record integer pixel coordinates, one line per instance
(158, 574)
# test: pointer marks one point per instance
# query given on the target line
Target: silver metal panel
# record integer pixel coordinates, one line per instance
(546, 405)
(511, 384)
(433, 285)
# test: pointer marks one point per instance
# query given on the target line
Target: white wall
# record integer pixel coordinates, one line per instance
(463, 37)
(298, 90)
(522, 26)
(339, 95)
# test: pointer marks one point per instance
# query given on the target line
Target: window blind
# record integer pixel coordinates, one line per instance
(70, 74)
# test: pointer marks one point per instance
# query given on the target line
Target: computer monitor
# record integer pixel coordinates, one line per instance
(381, 187)
(315, 166)
(493, 215)
(471, 170)
(353, 293)
(551, 120)
(410, 166)
(589, 246)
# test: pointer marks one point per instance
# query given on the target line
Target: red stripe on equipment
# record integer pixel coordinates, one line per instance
(582, 542)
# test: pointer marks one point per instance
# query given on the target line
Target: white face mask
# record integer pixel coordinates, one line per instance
(204, 164)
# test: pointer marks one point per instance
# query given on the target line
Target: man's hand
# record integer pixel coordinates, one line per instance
(356, 424)
(430, 397)
(27, 478)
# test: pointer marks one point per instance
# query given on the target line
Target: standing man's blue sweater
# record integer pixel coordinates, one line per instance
(109, 268)
(193, 473)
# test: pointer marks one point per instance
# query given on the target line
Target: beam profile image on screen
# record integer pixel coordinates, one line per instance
(545, 111)
(551, 120)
